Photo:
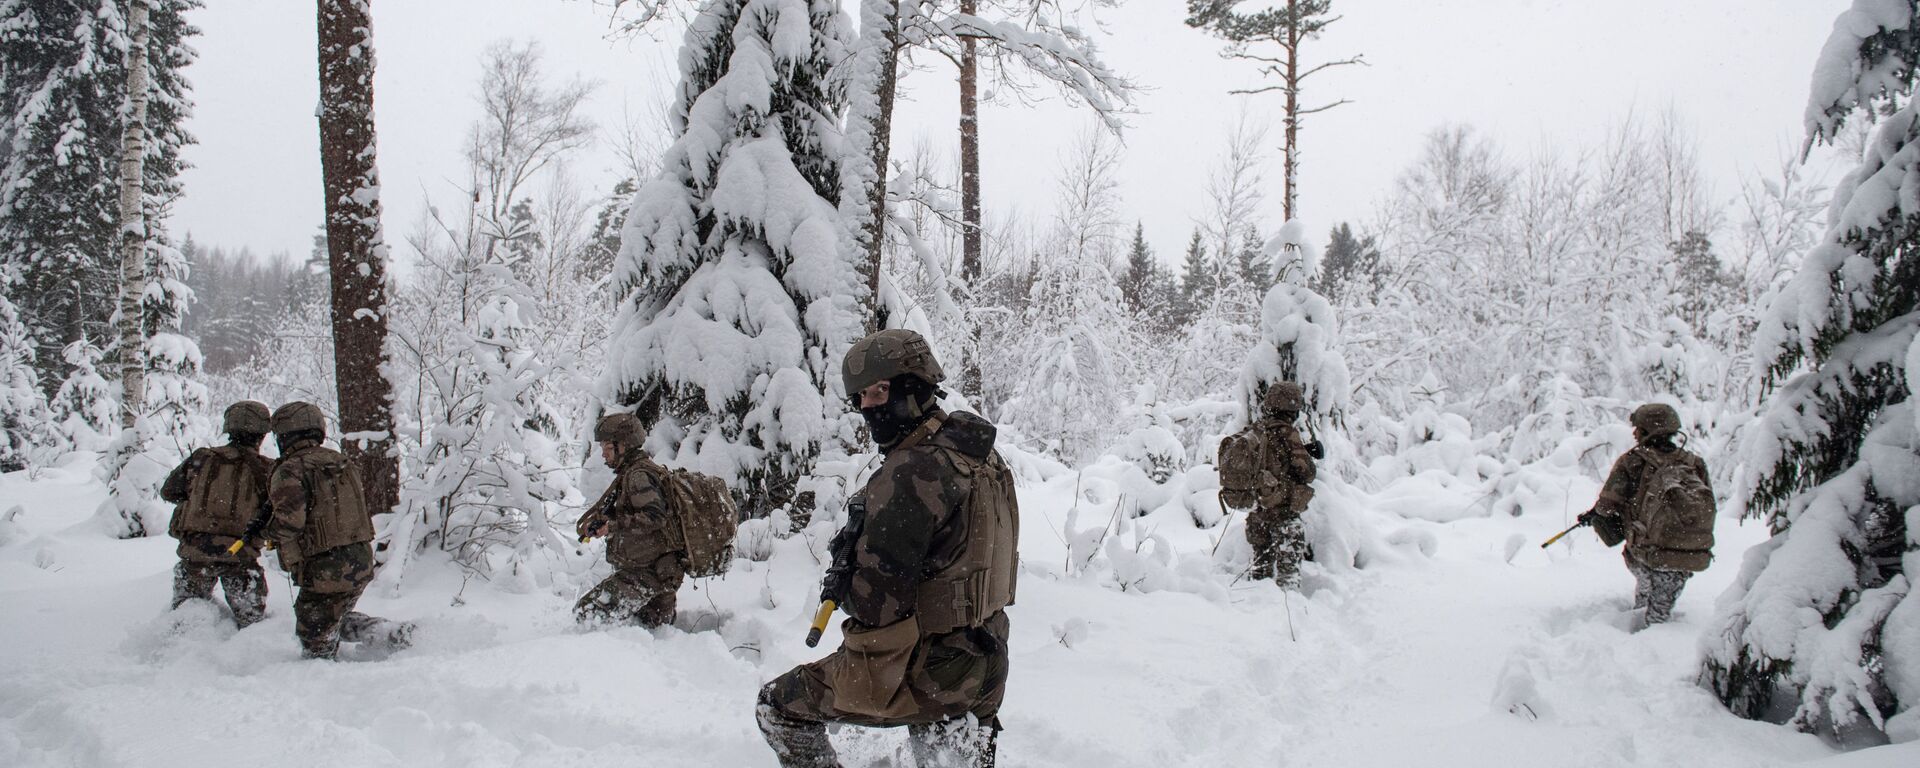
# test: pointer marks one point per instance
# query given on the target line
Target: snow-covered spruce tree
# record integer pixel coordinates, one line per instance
(1822, 629)
(84, 412)
(1299, 336)
(737, 297)
(62, 117)
(23, 408)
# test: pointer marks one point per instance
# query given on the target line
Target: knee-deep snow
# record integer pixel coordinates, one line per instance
(1467, 645)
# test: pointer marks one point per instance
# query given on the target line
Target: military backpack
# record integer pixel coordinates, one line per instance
(1240, 458)
(1676, 508)
(708, 518)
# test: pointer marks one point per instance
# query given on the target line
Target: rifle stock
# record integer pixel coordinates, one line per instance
(834, 585)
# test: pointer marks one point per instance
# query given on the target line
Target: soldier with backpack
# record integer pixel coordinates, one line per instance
(216, 492)
(1266, 473)
(930, 572)
(1659, 501)
(661, 526)
(325, 532)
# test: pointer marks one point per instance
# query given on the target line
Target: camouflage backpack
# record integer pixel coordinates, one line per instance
(1676, 508)
(708, 519)
(1240, 455)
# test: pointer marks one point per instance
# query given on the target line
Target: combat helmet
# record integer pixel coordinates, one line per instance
(1284, 397)
(247, 417)
(622, 428)
(884, 355)
(298, 416)
(1655, 419)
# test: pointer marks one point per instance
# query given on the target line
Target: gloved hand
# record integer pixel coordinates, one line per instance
(1316, 450)
(1589, 517)
(835, 585)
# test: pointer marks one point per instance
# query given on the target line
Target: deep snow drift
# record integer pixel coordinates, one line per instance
(1461, 643)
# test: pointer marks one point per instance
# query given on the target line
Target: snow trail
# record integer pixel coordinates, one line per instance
(1453, 659)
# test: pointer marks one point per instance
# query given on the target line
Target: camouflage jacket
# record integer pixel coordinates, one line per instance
(318, 503)
(216, 493)
(640, 528)
(1620, 494)
(1288, 470)
(915, 514)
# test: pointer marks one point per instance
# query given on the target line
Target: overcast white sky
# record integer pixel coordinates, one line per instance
(1527, 72)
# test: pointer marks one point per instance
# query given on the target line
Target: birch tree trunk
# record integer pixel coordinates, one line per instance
(356, 255)
(133, 226)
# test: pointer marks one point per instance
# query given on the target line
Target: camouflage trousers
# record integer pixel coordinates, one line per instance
(243, 584)
(1279, 541)
(1655, 590)
(644, 596)
(330, 585)
(957, 681)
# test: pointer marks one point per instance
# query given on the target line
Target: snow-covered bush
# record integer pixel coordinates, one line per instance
(85, 411)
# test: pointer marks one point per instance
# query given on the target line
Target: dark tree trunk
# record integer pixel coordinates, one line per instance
(970, 222)
(876, 224)
(356, 257)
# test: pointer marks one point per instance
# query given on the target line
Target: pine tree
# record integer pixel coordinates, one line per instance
(356, 245)
(1137, 283)
(1823, 627)
(83, 410)
(62, 92)
(1299, 337)
(737, 297)
(22, 405)
(1251, 264)
(1198, 281)
(1350, 269)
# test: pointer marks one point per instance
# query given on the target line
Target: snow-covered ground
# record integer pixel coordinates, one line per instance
(1456, 650)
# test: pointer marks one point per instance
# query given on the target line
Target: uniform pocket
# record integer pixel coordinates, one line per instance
(869, 673)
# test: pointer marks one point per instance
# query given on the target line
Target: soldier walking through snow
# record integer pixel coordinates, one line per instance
(1659, 501)
(643, 535)
(325, 532)
(217, 492)
(1266, 473)
(933, 566)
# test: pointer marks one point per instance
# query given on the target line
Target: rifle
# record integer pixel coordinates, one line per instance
(1586, 519)
(256, 530)
(602, 508)
(839, 577)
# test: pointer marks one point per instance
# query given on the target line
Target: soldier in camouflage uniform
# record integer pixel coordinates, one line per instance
(1659, 570)
(325, 533)
(933, 568)
(1285, 472)
(642, 534)
(216, 493)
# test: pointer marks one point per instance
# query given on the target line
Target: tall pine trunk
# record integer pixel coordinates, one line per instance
(133, 228)
(1290, 163)
(970, 223)
(356, 256)
(879, 131)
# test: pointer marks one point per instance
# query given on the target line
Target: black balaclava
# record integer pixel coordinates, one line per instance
(248, 440)
(909, 402)
(292, 440)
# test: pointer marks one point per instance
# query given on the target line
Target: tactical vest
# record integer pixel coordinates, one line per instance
(228, 487)
(336, 510)
(980, 580)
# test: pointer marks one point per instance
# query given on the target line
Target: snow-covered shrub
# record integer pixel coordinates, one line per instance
(22, 405)
(85, 410)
